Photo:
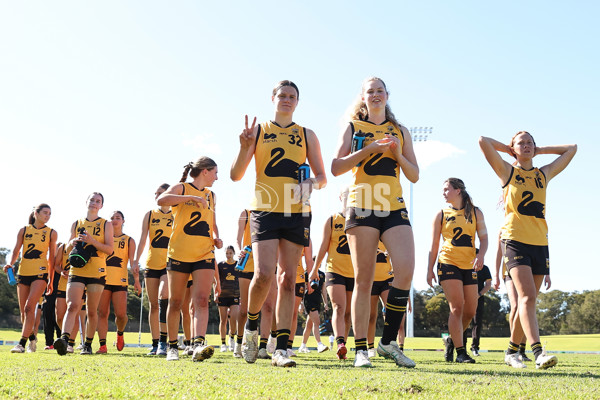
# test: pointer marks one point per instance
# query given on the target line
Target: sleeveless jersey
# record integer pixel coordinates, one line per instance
(34, 260)
(376, 183)
(160, 226)
(96, 266)
(116, 263)
(279, 151)
(458, 248)
(338, 253)
(192, 237)
(525, 207)
(246, 241)
(62, 282)
(228, 276)
(383, 267)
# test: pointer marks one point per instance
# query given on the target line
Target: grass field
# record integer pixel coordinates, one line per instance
(131, 374)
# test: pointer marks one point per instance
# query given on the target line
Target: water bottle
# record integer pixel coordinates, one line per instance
(331, 339)
(314, 284)
(241, 264)
(11, 276)
(358, 142)
(303, 172)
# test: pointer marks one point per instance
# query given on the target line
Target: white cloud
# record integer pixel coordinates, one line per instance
(432, 151)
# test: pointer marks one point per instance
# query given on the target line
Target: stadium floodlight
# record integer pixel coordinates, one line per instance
(420, 134)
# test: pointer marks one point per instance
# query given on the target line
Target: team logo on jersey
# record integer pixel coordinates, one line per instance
(547, 263)
(306, 233)
(123, 280)
(42, 268)
(155, 221)
(517, 257)
(295, 131)
(400, 200)
(451, 219)
(390, 129)
(519, 180)
(474, 275)
(229, 277)
(28, 236)
(339, 226)
(100, 269)
(404, 214)
(269, 138)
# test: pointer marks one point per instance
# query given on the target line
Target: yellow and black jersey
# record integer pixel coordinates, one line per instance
(458, 248)
(228, 277)
(279, 152)
(525, 207)
(246, 241)
(65, 264)
(383, 266)
(192, 236)
(96, 266)
(34, 260)
(116, 263)
(160, 226)
(338, 253)
(376, 183)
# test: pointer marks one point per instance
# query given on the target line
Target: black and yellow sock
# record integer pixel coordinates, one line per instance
(401, 346)
(231, 335)
(163, 337)
(155, 342)
(173, 344)
(66, 336)
(274, 334)
(23, 341)
(187, 342)
(371, 346)
(283, 336)
(71, 342)
(88, 341)
(119, 333)
(340, 340)
(263, 343)
(239, 339)
(395, 310)
(223, 341)
(199, 340)
(32, 337)
(522, 348)
(537, 349)
(102, 342)
(512, 348)
(290, 343)
(252, 322)
(460, 350)
(361, 344)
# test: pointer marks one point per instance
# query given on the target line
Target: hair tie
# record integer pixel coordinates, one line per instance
(189, 165)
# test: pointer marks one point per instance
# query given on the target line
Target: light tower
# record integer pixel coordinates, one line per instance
(419, 134)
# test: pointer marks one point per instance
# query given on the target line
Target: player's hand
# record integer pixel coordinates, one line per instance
(248, 137)
(478, 262)
(310, 289)
(218, 243)
(431, 278)
(302, 191)
(326, 307)
(379, 146)
(394, 141)
(138, 288)
(199, 201)
(547, 282)
(497, 283)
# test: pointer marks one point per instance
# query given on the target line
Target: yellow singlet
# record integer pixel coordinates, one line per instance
(338, 253)
(383, 267)
(62, 282)
(116, 263)
(279, 152)
(377, 180)
(96, 266)
(525, 207)
(192, 237)
(458, 248)
(34, 259)
(160, 226)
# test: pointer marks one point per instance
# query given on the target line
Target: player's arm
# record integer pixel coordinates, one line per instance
(483, 240)
(435, 245)
(143, 238)
(246, 152)
(314, 275)
(491, 150)
(565, 153)
(16, 249)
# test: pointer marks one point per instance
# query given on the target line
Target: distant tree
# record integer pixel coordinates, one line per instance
(584, 316)
(436, 314)
(552, 310)
(3, 253)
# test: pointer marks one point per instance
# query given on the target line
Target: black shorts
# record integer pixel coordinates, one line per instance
(447, 271)
(115, 288)
(155, 273)
(87, 281)
(300, 289)
(228, 301)
(331, 278)
(517, 253)
(380, 220)
(27, 280)
(189, 267)
(266, 225)
(380, 287)
(310, 306)
(61, 294)
(190, 283)
(245, 275)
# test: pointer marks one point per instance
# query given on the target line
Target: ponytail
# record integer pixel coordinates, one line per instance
(194, 169)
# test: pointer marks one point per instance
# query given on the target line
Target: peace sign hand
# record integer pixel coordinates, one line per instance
(248, 137)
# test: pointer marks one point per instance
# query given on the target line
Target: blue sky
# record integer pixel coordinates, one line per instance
(117, 96)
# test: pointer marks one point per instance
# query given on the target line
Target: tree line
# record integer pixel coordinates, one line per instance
(558, 312)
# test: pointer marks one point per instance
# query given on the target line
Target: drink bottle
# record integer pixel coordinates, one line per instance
(241, 264)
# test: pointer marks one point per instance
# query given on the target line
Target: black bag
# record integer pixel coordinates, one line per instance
(325, 328)
(80, 255)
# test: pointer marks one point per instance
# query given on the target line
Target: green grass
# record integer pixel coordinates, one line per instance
(131, 374)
